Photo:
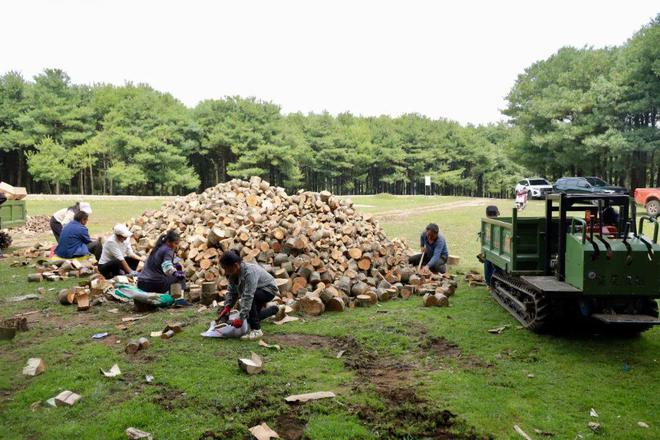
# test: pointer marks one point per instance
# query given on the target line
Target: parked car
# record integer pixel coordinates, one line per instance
(576, 185)
(537, 187)
(650, 198)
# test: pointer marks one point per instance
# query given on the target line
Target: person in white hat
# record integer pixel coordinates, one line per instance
(65, 215)
(118, 257)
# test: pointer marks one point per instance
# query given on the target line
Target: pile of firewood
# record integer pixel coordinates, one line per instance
(34, 224)
(39, 250)
(60, 269)
(475, 279)
(322, 252)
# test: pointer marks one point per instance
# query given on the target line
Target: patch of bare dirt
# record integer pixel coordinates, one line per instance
(110, 340)
(441, 347)
(406, 414)
(170, 399)
(302, 341)
(290, 426)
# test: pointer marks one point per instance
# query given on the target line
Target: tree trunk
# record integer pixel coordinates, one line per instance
(91, 178)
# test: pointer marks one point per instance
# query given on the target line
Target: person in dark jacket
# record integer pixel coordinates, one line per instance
(434, 251)
(75, 241)
(161, 270)
(254, 286)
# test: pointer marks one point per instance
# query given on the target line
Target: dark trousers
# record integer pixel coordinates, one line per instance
(488, 271)
(113, 268)
(160, 286)
(56, 227)
(95, 248)
(439, 267)
(257, 311)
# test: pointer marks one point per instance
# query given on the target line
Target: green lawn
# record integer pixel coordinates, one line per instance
(404, 370)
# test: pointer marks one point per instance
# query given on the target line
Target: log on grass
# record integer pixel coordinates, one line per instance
(311, 305)
(363, 300)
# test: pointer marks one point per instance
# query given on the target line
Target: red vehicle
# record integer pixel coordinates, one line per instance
(650, 198)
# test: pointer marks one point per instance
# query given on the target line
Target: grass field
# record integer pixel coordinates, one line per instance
(407, 372)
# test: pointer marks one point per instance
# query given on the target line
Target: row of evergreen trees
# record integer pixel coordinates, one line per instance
(58, 136)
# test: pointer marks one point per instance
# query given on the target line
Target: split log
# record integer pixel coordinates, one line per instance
(251, 366)
(82, 300)
(311, 305)
(34, 367)
(453, 260)
(216, 235)
(283, 285)
(335, 304)
(66, 297)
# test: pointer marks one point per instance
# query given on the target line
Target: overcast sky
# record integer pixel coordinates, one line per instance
(451, 59)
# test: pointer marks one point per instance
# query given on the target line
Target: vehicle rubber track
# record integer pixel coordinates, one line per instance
(527, 304)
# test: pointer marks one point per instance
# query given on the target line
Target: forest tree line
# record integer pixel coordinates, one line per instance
(56, 136)
(579, 112)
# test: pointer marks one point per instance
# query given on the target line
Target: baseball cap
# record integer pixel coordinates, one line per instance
(85, 207)
(121, 229)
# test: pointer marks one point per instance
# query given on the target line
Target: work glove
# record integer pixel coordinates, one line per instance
(179, 275)
(178, 266)
(223, 316)
(238, 323)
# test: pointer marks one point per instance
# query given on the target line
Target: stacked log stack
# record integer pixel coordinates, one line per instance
(324, 255)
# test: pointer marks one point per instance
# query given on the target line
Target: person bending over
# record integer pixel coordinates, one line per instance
(75, 242)
(65, 215)
(434, 251)
(161, 271)
(254, 286)
(118, 257)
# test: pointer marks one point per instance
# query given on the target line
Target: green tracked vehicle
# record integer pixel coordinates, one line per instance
(599, 264)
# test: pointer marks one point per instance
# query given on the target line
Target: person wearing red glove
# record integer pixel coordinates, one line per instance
(254, 286)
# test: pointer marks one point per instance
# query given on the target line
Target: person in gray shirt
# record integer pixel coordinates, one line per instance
(254, 286)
